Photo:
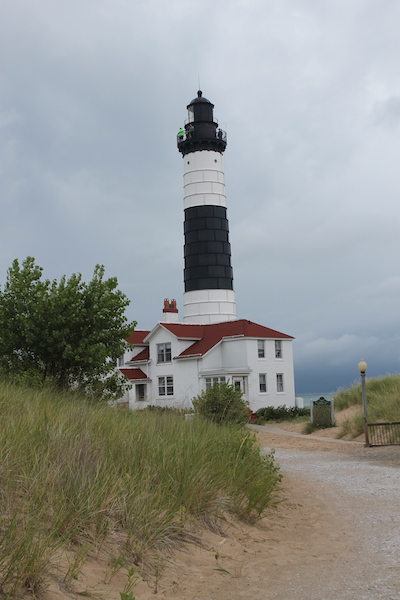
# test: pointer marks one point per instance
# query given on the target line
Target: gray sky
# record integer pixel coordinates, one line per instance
(308, 91)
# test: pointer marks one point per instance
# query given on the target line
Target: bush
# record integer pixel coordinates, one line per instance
(281, 413)
(222, 403)
(309, 428)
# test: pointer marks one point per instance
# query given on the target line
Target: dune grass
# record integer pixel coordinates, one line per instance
(72, 472)
(383, 403)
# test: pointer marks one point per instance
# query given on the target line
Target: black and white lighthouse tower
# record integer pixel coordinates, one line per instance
(209, 296)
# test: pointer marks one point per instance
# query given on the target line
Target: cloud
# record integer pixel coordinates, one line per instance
(93, 95)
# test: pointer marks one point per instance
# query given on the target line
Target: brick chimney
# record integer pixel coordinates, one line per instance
(170, 311)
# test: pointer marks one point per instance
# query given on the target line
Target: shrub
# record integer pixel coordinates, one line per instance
(222, 403)
(281, 413)
(309, 428)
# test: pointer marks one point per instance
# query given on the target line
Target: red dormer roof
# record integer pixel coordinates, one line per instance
(137, 337)
(143, 355)
(134, 374)
(206, 337)
(183, 331)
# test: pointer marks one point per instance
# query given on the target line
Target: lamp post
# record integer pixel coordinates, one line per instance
(362, 367)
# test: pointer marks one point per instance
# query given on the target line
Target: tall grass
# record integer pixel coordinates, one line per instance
(383, 402)
(71, 472)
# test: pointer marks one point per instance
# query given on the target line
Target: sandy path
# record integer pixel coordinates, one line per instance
(366, 498)
(335, 536)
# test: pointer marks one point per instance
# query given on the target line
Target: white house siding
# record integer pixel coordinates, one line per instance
(272, 366)
(212, 361)
(187, 382)
(236, 358)
(233, 358)
(234, 353)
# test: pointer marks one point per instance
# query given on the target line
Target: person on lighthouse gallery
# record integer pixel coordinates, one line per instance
(189, 131)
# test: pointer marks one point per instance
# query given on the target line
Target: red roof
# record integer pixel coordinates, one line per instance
(134, 373)
(143, 355)
(137, 337)
(207, 336)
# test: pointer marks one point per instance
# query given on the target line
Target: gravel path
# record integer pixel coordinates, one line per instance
(364, 488)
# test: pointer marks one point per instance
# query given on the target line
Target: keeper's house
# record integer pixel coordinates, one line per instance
(171, 364)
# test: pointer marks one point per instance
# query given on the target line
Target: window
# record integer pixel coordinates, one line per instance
(166, 386)
(211, 380)
(261, 349)
(278, 349)
(263, 382)
(279, 382)
(121, 360)
(164, 352)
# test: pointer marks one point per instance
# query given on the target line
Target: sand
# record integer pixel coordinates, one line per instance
(334, 536)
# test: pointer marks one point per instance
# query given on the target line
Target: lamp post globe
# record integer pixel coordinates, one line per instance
(362, 366)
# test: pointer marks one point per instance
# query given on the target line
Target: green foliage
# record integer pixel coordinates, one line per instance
(222, 403)
(74, 472)
(309, 428)
(281, 413)
(67, 332)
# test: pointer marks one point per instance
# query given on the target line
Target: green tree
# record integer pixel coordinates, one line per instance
(222, 403)
(68, 332)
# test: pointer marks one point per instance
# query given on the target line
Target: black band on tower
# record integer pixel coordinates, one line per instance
(207, 249)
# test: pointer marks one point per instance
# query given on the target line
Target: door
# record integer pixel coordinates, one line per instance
(240, 384)
(140, 391)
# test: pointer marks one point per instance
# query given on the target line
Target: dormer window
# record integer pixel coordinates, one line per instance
(164, 352)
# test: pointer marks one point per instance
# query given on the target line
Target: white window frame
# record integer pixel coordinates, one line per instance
(262, 382)
(121, 360)
(261, 348)
(164, 353)
(280, 387)
(278, 348)
(166, 385)
(210, 381)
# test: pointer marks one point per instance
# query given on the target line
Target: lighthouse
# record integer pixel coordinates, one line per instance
(177, 360)
(208, 278)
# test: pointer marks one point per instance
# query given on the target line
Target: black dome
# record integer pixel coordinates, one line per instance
(200, 98)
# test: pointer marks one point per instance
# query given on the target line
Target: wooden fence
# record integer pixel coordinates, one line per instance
(383, 434)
